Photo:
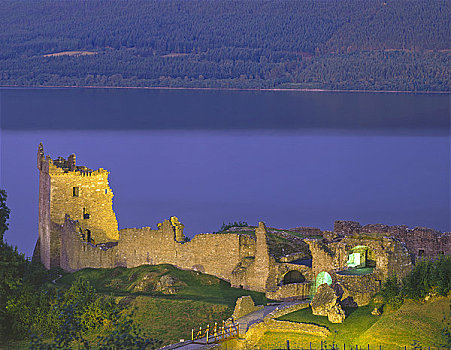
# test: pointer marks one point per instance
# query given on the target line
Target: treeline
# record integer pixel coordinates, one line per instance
(334, 44)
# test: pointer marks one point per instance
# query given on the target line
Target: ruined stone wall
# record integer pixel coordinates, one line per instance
(391, 256)
(323, 257)
(420, 241)
(205, 252)
(356, 290)
(85, 195)
(77, 253)
(307, 231)
(92, 206)
(261, 274)
(290, 291)
(44, 228)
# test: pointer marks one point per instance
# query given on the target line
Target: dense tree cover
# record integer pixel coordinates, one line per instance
(427, 277)
(32, 307)
(334, 44)
(4, 215)
(78, 311)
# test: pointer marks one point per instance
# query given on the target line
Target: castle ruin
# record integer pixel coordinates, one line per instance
(78, 229)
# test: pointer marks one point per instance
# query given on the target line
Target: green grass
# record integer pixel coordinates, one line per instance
(357, 271)
(357, 321)
(414, 321)
(142, 280)
(199, 298)
(172, 320)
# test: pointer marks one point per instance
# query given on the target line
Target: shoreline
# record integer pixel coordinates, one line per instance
(4, 87)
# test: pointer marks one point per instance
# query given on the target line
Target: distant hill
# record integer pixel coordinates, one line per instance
(321, 44)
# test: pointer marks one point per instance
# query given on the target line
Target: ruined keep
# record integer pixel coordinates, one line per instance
(78, 229)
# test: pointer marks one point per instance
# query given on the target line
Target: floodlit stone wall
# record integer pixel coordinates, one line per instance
(204, 252)
(356, 290)
(83, 194)
(292, 291)
(44, 225)
(391, 256)
(77, 253)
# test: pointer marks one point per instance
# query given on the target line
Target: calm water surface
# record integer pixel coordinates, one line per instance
(287, 158)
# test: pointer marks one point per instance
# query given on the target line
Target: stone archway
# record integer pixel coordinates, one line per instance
(293, 276)
(323, 277)
(361, 257)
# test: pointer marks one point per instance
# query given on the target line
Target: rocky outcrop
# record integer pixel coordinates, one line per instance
(167, 284)
(375, 312)
(325, 303)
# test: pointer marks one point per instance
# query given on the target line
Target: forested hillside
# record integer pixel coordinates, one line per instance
(328, 44)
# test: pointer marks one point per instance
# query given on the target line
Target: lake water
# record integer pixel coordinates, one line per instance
(286, 158)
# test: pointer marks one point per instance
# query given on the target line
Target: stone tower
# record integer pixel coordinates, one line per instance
(81, 193)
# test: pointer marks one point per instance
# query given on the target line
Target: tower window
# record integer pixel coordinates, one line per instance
(106, 191)
(86, 215)
(421, 252)
(75, 191)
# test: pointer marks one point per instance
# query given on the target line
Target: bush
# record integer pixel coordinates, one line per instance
(229, 225)
(428, 276)
(391, 292)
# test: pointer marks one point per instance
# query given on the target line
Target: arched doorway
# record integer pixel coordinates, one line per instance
(361, 257)
(323, 277)
(293, 277)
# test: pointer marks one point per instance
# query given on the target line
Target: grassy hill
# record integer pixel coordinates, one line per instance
(168, 302)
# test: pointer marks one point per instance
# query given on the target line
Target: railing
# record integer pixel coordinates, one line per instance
(216, 333)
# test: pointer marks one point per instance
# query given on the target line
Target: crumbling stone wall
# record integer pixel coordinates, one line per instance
(205, 252)
(391, 256)
(44, 226)
(420, 241)
(356, 290)
(259, 271)
(92, 206)
(77, 253)
(292, 291)
(278, 290)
